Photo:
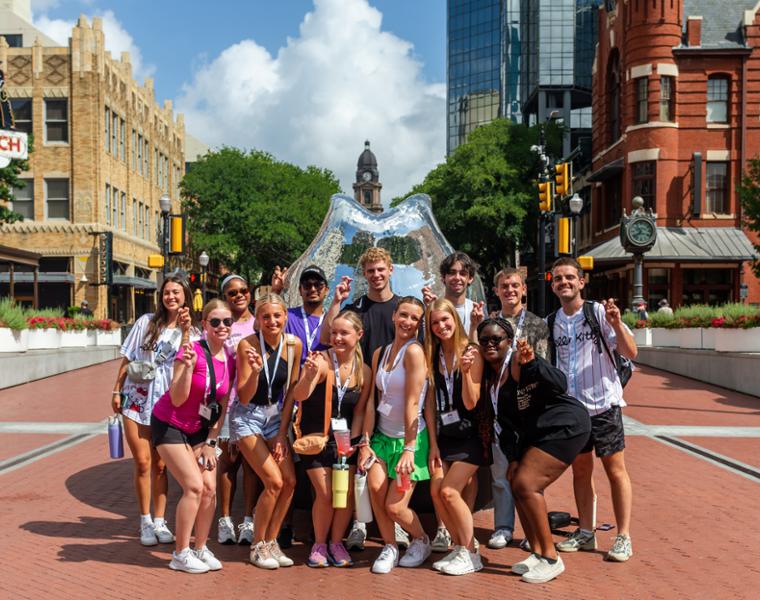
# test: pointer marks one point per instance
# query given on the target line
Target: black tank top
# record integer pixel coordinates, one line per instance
(279, 379)
(313, 409)
(443, 403)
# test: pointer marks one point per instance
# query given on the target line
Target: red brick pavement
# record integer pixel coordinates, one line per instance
(70, 527)
(14, 444)
(746, 450)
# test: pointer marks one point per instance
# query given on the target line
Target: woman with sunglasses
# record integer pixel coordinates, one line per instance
(541, 431)
(350, 381)
(267, 368)
(455, 368)
(397, 456)
(153, 342)
(184, 430)
(238, 295)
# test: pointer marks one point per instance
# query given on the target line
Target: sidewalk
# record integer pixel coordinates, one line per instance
(70, 518)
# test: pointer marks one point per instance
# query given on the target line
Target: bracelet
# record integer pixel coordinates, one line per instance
(409, 449)
(115, 393)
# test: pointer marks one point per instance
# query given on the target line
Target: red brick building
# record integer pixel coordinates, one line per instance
(676, 117)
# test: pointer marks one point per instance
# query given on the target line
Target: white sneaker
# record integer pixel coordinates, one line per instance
(148, 535)
(543, 571)
(245, 533)
(262, 558)
(387, 560)
(463, 563)
(357, 536)
(207, 557)
(418, 553)
(522, 567)
(442, 540)
(282, 560)
(162, 532)
(402, 537)
(500, 539)
(226, 531)
(188, 562)
(438, 565)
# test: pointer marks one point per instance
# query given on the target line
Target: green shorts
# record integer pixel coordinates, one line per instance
(389, 450)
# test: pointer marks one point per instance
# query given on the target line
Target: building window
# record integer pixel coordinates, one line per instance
(134, 217)
(115, 208)
(107, 142)
(667, 104)
(123, 211)
(14, 40)
(156, 171)
(146, 157)
(642, 100)
(133, 150)
(23, 199)
(22, 114)
(108, 204)
(139, 154)
(57, 120)
(717, 99)
(717, 188)
(147, 223)
(644, 182)
(122, 140)
(158, 229)
(57, 196)
(613, 95)
(115, 135)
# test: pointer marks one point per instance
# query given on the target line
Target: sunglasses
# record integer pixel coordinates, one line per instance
(493, 340)
(238, 291)
(227, 321)
(317, 285)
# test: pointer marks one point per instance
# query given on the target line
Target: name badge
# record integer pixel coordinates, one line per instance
(204, 411)
(385, 409)
(339, 424)
(271, 410)
(451, 417)
(497, 427)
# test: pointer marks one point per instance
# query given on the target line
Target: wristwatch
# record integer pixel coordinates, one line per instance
(211, 443)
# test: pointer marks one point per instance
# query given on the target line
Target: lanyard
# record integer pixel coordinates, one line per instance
(448, 378)
(340, 388)
(310, 335)
(270, 380)
(207, 391)
(385, 374)
(494, 391)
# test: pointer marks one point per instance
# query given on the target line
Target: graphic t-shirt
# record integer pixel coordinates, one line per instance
(378, 323)
(295, 325)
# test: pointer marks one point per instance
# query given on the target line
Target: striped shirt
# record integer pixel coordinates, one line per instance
(591, 376)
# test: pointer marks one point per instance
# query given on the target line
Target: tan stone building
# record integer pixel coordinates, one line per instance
(104, 153)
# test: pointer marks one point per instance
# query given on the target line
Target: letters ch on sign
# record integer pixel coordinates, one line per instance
(13, 144)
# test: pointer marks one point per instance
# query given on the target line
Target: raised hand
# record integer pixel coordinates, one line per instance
(188, 355)
(467, 359)
(183, 318)
(477, 314)
(343, 289)
(428, 296)
(311, 365)
(611, 312)
(525, 352)
(254, 360)
(278, 279)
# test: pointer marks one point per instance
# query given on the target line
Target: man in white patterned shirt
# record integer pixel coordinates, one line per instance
(593, 379)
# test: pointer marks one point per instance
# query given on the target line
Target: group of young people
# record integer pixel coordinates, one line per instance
(426, 389)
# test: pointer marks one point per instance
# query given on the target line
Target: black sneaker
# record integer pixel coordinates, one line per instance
(285, 539)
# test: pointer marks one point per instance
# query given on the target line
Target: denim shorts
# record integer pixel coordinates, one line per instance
(250, 419)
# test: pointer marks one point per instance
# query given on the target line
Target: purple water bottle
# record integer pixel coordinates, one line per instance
(115, 443)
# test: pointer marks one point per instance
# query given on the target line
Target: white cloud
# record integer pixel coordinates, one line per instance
(117, 38)
(340, 81)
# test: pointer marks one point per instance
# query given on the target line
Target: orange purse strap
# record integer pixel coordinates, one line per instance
(328, 408)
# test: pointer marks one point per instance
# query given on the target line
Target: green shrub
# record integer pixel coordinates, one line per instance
(12, 315)
(629, 319)
(696, 315)
(658, 319)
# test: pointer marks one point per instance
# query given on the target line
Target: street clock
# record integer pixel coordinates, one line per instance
(367, 175)
(638, 232)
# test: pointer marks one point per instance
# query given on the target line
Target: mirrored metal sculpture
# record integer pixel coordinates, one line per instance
(408, 231)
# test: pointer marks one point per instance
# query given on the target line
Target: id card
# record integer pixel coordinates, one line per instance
(339, 424)
(271, 410)
(451, 417)
(497, 428)
(204, 411)
(385, 409)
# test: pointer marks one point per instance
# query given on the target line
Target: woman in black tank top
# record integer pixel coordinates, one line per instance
(343, 370)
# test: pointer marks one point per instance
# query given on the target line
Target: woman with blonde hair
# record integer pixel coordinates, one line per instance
(267, 369)
(455, 369)
(340, 369)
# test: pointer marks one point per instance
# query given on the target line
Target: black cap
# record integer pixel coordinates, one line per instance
(312, 271)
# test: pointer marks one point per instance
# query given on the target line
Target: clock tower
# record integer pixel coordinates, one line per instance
(367, 186)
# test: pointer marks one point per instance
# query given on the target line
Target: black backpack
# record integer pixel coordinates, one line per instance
(623, 365)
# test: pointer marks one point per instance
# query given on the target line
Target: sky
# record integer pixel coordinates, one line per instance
(306, 80)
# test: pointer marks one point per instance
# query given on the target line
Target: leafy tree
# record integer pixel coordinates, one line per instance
(9, 179)
(750, 196)
(251, 212)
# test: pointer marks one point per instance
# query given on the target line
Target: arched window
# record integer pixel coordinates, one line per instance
(717, 99)
(613, 97)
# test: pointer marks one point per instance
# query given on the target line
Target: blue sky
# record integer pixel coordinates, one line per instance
(196, 54)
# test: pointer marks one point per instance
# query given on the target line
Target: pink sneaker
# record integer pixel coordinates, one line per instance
(318, 556)
(339, 556)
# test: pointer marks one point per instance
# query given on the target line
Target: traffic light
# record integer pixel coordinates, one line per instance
(155, 261)
(563, 177)
(176, 234)
(562, 235)
(545, 196)
(586, 262)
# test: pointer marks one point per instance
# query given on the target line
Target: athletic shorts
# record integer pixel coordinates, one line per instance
(389, 450)
(251, 419)
(563, 449)
(165, 433)
(470, 451)
(607, 434)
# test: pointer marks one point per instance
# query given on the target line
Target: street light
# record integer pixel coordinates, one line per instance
(203, 262)
(165, 204)
(576, 206)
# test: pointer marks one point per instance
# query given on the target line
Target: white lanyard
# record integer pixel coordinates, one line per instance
(270, 380)
(385, 374)
(494, 391)
(207, 391)
(310, 335)
(340, 388)
(448, 378)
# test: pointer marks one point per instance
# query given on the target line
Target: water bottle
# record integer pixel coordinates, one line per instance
(340, 486)
(115, 440)
(361, 499)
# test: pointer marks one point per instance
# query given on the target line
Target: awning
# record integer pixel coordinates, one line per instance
(685, 244)
(27, 277)
(607, 171)
(137, 282)
(19, 257)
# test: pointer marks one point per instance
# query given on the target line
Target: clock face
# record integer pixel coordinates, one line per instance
(367, 175)
(640, 231)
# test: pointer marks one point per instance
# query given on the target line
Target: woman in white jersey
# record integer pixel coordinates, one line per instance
(398, 453)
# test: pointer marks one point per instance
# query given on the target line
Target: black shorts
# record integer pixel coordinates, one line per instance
(327, 458)
(471, 451)
(607, 434)
(565, 449)
(164, 433)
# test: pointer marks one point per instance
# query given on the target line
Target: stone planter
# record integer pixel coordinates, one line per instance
(74, 339)
(690, 337)
(13, 340)
(44, 339)
(708, 338)
(643, 337)
(737, 340)
(108, 338)
(665, 338)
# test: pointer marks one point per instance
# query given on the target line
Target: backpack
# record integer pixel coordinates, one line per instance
(623, 365)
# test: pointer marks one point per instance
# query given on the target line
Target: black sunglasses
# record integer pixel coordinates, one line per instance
(317, 285)
(227, 321)
(493, 340)
(233, 293)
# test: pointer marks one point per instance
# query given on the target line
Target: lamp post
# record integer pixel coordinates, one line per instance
(203, 262)
(576, 206)
(165, 204)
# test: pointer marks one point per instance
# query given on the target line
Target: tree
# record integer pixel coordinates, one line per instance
(750, 197)
(251, 212)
